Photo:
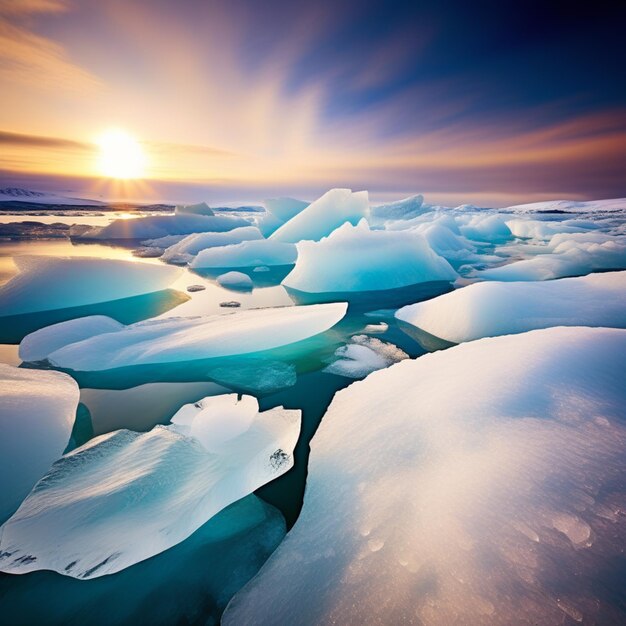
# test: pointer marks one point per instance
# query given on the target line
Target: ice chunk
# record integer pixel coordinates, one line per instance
(355, 258)
(488, 228)
(235, 280)
(247, 254)
(202, 208)
(38, 345)
(464, 487)
(490, 309)
(157, 226)
(445, 242)
(170, 340)
(401, 210)
(537, 229)
(364, 355)
(47, 283)
(284, 209)
(324, 215)
(185, 250)
(37, 411)
(125, 496)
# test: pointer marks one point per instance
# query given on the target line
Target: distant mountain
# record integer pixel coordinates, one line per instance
(28, 196)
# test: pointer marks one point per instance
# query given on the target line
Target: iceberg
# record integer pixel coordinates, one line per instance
(364, 355)
(235, 280)
(185, 250)
(247, 254)
(37, 411)
(158, 226)
(125, 496)
(486, 228)
(176, 339)
(46, 283)
(401, 210)
(499, 308)
(323, 216)
(283, 209)
(201, 208)
(355, 258)
(476, 485)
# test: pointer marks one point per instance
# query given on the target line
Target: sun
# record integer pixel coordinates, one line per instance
(121, 155)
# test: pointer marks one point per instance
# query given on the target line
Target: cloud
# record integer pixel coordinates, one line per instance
(36, 141)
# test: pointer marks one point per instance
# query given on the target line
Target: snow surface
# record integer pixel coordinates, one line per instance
(185, 250)
(323, 216)
(175, 339)
(364, 355)
(493, 308)
(46, 283)
(355, 258)
(465, 487)
(247, 254)
(37, 411)
(125, 496)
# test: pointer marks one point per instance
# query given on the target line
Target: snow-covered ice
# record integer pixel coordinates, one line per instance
(175, 339)
(37, 411)
(126, 496)
(489, 309)
(476, 485)
(247, 254)
(46, 283)
(323, 216)
(400, 210)
(235, 280)
(355, 258)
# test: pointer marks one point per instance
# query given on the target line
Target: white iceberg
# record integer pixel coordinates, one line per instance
(39, 344)
(247, 254)
(364, 355)
(201, 208)
(323, 216)
(492, 308)
(37, 411)
(235, 280)
(170, 340)
(126, 496)
(46, 283)
(400, 210)
(185, 250)
(476, 485)
(157, 226)
(355, 258)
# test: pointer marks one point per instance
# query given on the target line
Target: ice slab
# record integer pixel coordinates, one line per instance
(157, 226)
(355, 258)
(247, 254)
(46, 283)
(323, 216)
(494, 308)
(170, 340)
(37, 411)
(185, 250)
(364, 355)
(464, 487)
(401, 210)
(126, 496)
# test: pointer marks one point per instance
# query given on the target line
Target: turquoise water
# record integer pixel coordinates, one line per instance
(192, 582)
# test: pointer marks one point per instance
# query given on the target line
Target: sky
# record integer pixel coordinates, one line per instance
(492, 103)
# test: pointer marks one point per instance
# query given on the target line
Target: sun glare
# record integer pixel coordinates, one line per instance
(121, 155)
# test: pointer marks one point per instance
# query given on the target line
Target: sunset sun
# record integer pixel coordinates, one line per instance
(121, 155)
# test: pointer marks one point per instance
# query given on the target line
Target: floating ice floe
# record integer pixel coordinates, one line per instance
(323, 216)
(493, 308)
(542, 230)
(126, 496)
(235, 280)
(37, 411)
(464, 487)
(567, 255)
(170, 340)
(201, 208)
(247, 254)
(355, 258)
(401, 210)
(46, 283)
(157, 226)
(364, 355)
(185, 250)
